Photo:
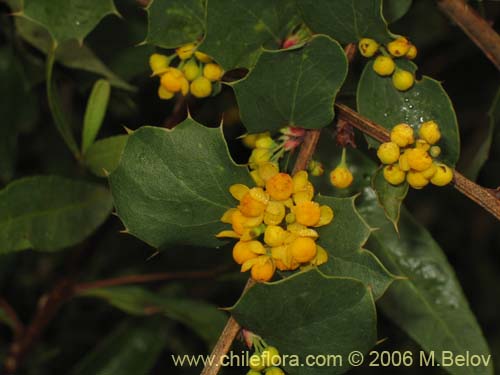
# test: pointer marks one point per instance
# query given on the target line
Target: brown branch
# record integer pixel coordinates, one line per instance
(486, 198)
(17, 325)
(476, 27)
(307, 150)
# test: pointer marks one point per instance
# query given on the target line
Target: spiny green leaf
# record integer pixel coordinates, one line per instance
(395, 9)
(66, 20)
(204, 319)
(311, 314)
(94, 114)
(429, 304)
(390, 197)
(346, 20)
(103, 156)
(378, 100)
(50, 213)
(293, 87)
(172, 186)
(131, 349)
(172, 23)
(260, 23)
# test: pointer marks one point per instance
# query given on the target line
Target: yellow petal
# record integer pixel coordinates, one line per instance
(227, 234)
(249, 264)
(227, 217)
(321, 256)
(259, 195)
(302, 231)
(268, 170)
(300, 180)
(238, 191)
(326, 216)
(257, 179)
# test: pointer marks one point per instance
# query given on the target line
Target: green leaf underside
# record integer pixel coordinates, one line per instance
(395, 9)
(343, 239)
(429, 305)
(346, 20)
(260, 23)
(50, 213)
(293, 87)
(172, 23)
(66, 20)
(390, 197)
(69, 53)
(172, 186)
(104, 155)
(95, 112)
(203, 318)
(310, 313)
(378, 100)
(131, 349)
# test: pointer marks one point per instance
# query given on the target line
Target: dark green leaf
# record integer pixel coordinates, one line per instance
(390, 197)
(204, 319)
(50, 213)
(172, 23)
(94, 114)
(311, 314)
(346, 20)
(429, 305)
(66, 20)
(132, 349)
(172, 186)
(260, 23)
(378, 100)
(103, 156)
(395, 9)
(293, 87)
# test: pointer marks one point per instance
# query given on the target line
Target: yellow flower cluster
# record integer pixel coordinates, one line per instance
(195, 72)
(412, 160)
(265, 361)
(274, 223)
(384, 64)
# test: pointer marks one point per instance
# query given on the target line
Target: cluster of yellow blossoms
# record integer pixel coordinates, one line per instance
(266, 359)
(281, 210)
(195, 72)
(384, 64)
(412, 160)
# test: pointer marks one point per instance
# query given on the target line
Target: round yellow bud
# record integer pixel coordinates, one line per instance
(263, 271)
(303, 249)
(394, 175)
(429, 172)
(418, 159)
(250, 206)
(399, 47)
(213, 72)
(429, 131)
(412, 52)
(341, 177)
(258, 156)
(384, 66)
(158, 63)
(416, 179)
(203, 57)
(256, 363)
(403, 79)
(307, 213)
(163, 93)
(280, 186)
(443, 175)
(201, 87)
(435, 151)
(191, 70)
(172, 80)
(422, 144)
(271, 356)
(186, 51)
(246, 250)
(402, 135)
(265, 142)
(368, 47)
(274, 235)
(388, 152)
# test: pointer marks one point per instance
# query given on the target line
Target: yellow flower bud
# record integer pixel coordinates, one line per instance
(341, 177)
(412, 52)
(267, 170)
(416, 179)
(246, 250)
(399, 47)
(394, 175)
(429, 172)
(419, 159)
(274, 235)
(315, 168)
(256, 363)
(163, 93)
(213, 72)
(201, 87)
(258, 156)
(172, 80)
(403, 161)
(191, 70)
(422, 145)
(368, 47)
(271, 357)
(265, 142)
(186, 51)
(203, 57)
(402, 135)
(158, 63)
(435, 151)
(274, 371)
(303, 249)
(384, 66)
(307, 213)
(275, 212)
(280, 186)
(388, 152)
(403, 79)
(263, 270)
(443, 175)
(429, 131)
(249, 206)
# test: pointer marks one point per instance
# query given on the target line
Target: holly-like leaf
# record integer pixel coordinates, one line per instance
(378, 100)
(131, 349)
(172, 23)
(395, 9)
(172, 186)
(390, 197)
(204, 319)
(103, 156)
(311, 314)
(293, 87)
(260, 23)
(66, 20)
(346, 20)
(50, 213)
(343, 239)
(429, 303)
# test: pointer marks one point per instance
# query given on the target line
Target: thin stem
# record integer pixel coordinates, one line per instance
(17, 325)
(476, 27)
